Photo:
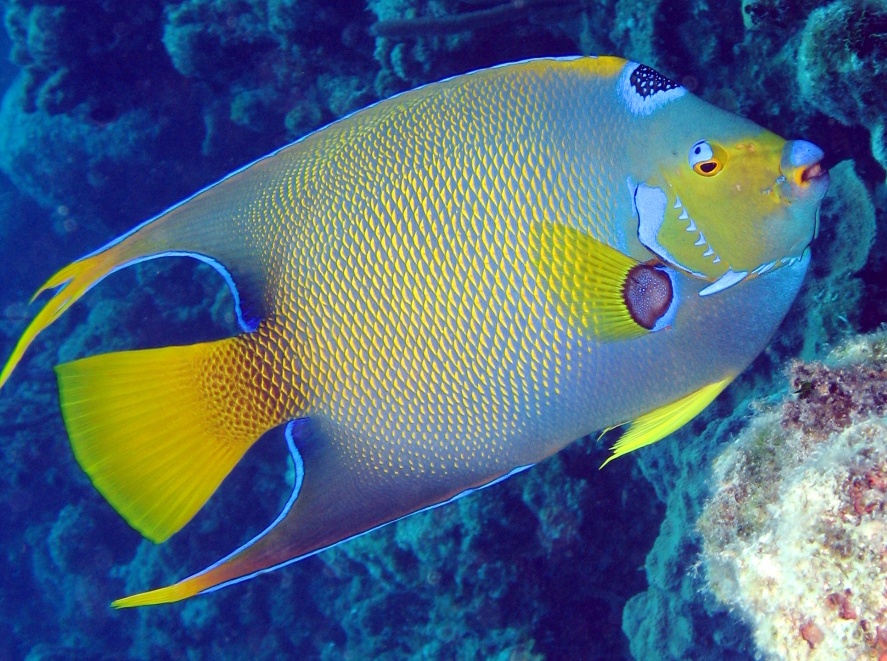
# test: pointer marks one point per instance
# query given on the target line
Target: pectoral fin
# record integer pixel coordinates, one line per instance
(661, 422)
(606, 294)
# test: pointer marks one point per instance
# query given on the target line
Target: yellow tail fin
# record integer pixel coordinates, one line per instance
(158, 430)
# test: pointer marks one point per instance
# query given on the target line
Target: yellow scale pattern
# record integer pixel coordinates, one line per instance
(417, 379)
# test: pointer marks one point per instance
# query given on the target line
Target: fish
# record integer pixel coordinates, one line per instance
(441, 290)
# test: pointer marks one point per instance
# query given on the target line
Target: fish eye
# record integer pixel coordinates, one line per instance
(707, 158)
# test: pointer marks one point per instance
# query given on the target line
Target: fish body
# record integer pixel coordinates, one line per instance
(443, 289)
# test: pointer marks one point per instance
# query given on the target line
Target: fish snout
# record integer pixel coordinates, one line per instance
(801, 165)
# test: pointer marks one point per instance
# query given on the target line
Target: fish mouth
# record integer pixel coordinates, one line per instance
(802, 169)
(815, 171)
(816, 180)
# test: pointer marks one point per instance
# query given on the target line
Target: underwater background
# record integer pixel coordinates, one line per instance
(114, 110)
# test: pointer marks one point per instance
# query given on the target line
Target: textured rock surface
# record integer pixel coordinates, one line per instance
(794, 535)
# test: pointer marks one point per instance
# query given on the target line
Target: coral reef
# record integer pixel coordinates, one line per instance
(421, 41)
(258, 63)
(180, 92)
(668, 619)
(833, 300)
(776, 15)
(67, 141)
(844, 79)
(794, 536)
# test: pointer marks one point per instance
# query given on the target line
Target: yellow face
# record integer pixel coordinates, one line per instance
(732, 209)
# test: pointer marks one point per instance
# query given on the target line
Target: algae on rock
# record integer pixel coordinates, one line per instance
(794, 536)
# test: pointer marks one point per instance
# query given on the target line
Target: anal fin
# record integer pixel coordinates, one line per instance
(236, 566)
(661, 422)
(333, 500)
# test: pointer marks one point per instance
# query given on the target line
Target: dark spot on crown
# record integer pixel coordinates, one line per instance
(647, 81)
(647, 293)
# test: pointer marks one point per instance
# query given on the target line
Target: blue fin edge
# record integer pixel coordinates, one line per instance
(247, 323)
(297, 486)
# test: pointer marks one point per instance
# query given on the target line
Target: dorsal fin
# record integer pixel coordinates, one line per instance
(225, 225)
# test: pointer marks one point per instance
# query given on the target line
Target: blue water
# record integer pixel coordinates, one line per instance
(114, 111)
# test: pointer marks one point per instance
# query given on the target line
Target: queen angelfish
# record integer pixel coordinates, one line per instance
(443, 289)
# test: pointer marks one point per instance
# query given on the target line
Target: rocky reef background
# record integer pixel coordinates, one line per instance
(114, 110)
(795, 536)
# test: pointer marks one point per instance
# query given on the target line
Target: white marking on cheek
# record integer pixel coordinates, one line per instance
(632, 191)
(701, 240)
(684, 215)
(650, 203)
(667, 319)
(708, 252)
(677, 203)
(692, 226)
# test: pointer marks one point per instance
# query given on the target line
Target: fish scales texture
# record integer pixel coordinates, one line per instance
(441, 290)
(386, 351)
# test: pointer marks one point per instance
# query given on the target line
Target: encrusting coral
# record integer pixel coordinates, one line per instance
(795, 536)
(845, 78)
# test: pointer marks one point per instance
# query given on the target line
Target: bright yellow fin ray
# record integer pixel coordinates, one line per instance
(588, 278)
(75, 279)
(166, 595)
(158, 451)
(661, 422)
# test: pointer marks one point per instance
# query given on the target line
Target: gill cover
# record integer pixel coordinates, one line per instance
(722, 199)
